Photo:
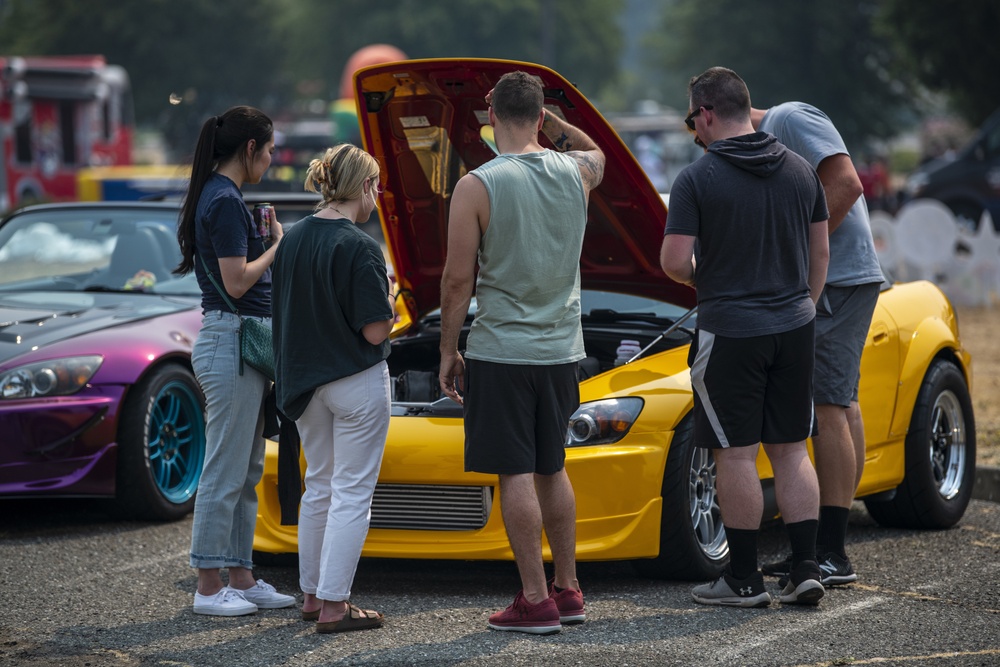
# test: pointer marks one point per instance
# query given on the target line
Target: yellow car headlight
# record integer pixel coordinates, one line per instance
(603, 422)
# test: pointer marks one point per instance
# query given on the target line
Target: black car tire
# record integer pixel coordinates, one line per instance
(693, 545)
(940, 456)
(161, 445)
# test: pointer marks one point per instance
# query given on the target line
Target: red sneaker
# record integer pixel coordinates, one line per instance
(522, 616)
(570, 604)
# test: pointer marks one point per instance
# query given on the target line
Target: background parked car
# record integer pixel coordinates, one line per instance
(97, 396)
(967, 183)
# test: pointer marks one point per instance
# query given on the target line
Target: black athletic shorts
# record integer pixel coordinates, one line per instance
(517, 415)
(751, 390)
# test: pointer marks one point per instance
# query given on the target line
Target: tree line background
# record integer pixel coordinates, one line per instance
(875, 66)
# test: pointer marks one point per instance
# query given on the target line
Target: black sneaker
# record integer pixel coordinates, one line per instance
(803, 585)
(779, 568)
(836, 570)
(731, 592)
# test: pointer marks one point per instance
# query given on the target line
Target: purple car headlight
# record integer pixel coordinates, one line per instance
(602, 422)
(55, 377)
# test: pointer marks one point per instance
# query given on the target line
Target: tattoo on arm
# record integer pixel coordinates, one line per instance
(591, 169)
(571, 140)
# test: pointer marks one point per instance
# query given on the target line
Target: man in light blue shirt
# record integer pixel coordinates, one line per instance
(843, 316)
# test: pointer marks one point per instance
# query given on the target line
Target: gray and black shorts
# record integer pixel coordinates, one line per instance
(843, 317)
(517, 415)
(752, 390)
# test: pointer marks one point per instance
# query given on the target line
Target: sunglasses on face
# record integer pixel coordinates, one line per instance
(689, 120)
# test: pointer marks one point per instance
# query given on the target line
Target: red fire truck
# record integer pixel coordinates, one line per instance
(58, 115)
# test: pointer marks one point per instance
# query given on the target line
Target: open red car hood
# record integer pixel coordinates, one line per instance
(423, 120)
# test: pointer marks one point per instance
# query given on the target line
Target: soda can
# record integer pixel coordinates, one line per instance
(263, 214)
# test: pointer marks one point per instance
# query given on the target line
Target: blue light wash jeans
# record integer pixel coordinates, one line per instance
(225, 509)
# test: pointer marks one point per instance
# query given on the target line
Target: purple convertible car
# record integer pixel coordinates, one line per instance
(97, 397)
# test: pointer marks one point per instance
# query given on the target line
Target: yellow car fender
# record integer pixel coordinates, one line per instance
(931, 339)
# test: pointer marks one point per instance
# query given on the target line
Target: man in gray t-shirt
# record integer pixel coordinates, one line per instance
(843, 316)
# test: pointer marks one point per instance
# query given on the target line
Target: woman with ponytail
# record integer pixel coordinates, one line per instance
(221, 244)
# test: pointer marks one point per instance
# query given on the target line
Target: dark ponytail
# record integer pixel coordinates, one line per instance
(221, 139)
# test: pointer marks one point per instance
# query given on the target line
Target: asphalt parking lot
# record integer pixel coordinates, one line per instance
(80, 589)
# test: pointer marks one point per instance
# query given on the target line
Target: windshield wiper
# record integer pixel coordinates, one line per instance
(609, 315)
(102, 288)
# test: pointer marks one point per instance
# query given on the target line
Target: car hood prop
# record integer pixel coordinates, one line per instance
(666, 332)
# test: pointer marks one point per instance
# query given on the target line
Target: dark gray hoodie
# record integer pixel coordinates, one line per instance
(759, 153)
(749, 201)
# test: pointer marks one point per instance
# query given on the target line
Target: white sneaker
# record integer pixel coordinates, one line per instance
(265, 596)
(227, 602)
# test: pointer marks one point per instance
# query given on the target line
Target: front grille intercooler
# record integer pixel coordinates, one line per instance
(431, 507)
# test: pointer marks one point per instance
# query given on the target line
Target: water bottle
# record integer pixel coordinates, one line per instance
(627, 350)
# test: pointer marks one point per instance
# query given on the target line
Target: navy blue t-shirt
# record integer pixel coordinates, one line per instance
(224, 228)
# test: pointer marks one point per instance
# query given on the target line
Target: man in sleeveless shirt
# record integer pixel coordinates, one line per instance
(522, 216)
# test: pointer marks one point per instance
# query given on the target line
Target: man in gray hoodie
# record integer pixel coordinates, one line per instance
(747, 228)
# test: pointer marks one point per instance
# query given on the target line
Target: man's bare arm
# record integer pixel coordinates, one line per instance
(677, 258)
(574, 142)
(841, 185)
(459, 276)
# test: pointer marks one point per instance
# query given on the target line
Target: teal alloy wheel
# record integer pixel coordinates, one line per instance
(161, 445)
(177, 441)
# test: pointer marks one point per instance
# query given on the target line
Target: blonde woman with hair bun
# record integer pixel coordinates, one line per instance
(343, 177)
(333, 310)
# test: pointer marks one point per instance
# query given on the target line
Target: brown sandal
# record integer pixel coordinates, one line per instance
(310, 615)
(355, 619)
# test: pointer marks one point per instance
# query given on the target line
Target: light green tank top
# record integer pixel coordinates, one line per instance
(528, 289)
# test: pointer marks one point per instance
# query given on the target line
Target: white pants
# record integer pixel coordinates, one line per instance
(343, 432)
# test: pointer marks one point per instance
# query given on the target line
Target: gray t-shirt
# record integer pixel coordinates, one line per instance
(808, 131)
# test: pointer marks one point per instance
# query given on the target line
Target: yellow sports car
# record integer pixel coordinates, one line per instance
(643, 492)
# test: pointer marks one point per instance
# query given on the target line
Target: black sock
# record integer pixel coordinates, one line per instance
(833, 530)
(802, 535)
(742, 552)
